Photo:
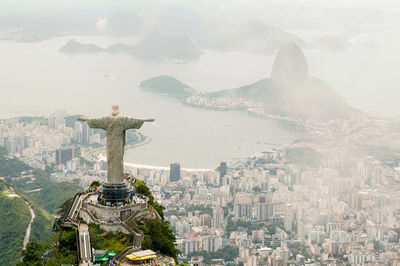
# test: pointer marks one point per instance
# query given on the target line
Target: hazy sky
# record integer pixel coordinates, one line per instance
(18, 6)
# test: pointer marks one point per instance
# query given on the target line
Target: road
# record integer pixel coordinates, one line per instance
(33, 190)
(85, 248)
(75, 207)
(28, 229)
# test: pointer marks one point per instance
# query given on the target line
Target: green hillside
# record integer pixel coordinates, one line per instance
(54, 194)
(14, 219)
(26, 178)
(19, 177)
(13, 223)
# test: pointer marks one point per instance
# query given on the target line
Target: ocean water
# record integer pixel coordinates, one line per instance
(35, 79)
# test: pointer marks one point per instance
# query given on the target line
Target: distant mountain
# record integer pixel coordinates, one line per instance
(167, 85)
(176, 20)
(253, 36)
(124, 23)
(74, 47)
(290, 91)
(160, 47)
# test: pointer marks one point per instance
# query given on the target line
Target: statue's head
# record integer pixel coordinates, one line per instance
(115, 110)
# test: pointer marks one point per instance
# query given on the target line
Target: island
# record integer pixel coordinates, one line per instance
(167, 85)
(153, 47)
(74, 47)
(289, 94)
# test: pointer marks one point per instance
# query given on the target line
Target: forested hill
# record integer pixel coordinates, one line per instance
(16, 178)
(14, 219)
(50, 194)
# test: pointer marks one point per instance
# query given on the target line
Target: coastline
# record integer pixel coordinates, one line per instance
(145, 141)
(146, 166)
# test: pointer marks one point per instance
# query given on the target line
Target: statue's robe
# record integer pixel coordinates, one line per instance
(115, 127)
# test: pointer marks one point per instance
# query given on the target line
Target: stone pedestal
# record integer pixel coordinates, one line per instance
(137, 240)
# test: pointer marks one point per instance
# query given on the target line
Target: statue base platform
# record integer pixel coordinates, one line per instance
(111, 217)
(116, 194)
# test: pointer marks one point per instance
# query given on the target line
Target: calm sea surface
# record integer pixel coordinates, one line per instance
(35, 79)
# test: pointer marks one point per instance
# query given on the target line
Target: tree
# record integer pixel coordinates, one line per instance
(3, 151)
(227, 253)
(144, 190)
(32, 255)
(95, 183)
(158, 236)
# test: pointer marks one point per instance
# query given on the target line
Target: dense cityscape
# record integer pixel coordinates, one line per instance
(327, 199)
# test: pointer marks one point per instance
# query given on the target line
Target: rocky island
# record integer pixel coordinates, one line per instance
(74, 47)
(155, 46)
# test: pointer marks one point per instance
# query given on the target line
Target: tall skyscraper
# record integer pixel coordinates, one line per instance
(52, 121)
(242, 207)
(63, 155)
(212, 243)
(222, 172)
(355, 200)
(85, 133)
(174, 172)
(218, 218)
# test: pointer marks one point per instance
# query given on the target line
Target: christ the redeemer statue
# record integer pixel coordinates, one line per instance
(115, 126)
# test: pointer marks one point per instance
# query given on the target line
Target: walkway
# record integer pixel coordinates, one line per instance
(28, 229)
(75, 207)
(85, 249)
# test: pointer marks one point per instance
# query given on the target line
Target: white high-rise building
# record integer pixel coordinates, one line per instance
(212, 243)
(218, 218)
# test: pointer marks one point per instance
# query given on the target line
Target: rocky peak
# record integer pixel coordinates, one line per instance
(290, 65)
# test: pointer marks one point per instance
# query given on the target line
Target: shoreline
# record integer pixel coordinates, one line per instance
(146, 141)
(147, 166)
(143, 142)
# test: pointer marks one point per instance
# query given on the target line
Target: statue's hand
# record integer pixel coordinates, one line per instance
(148, 120)
(82, 119)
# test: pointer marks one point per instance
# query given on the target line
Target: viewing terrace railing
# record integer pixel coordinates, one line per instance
(134, 207)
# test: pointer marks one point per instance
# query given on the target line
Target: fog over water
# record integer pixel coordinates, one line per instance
(197, 138)
(36, 77)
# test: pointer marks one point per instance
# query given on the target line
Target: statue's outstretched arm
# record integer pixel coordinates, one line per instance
(135, 123)
(96, 122)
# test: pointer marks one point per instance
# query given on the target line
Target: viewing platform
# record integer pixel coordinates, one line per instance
(110, 212)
